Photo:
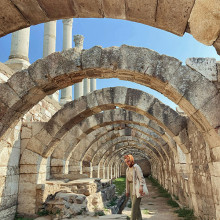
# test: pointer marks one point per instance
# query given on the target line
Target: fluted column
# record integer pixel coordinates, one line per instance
(18, 58)
(66, 94)
(92, 85)
(49, 46)
(78, 87)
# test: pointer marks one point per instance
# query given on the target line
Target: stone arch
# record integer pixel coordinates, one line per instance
(179, 83)
(117, 143)
(74, 112)
(113, 117)
(127, 139)
(110, 136)
(115, 159)
(176, 18)
(101, 170)
(92, 124)
(105, 157)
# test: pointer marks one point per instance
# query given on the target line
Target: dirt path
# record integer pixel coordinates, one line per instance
(157, 206)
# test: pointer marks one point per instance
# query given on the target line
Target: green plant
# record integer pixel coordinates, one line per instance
(112, 202)
(145, 211)
(17, 217)
(43, 212)
(186, 213)
(176, 197)
(172, 203)
(99, 213)
(120, 184)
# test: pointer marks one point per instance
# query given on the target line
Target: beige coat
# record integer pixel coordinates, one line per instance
(137, 175)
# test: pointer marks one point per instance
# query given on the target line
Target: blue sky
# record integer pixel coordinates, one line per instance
(113, 32)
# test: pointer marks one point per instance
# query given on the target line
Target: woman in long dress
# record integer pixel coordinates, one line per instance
(134, 186)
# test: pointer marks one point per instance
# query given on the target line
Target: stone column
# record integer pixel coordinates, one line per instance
(108, 172)
(78, 87)
(18, 59)
(50, 46)
(49, 38)
(80, 167)
(98, 171)
(92, 85)
(103, 171)
(86, 86)
(66, 94)
(91, 170)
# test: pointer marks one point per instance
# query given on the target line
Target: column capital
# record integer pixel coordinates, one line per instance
(68, 21)
(79, 39)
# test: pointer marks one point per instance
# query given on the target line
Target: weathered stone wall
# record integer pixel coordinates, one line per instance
(193, 186)
(12, 145)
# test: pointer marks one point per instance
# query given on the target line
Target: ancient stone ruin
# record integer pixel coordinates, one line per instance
(62, 155)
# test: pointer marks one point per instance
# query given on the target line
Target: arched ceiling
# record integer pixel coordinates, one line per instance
(196, 17)
(180, 83)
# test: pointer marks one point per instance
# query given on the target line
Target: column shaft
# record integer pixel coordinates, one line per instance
(86, 86)
(50, 46)
(78, 90)
(92, 85)
(49, 38)
(66, 94)
(18, 58)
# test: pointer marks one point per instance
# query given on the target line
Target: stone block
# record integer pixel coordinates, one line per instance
(8, 96)
(44, 137)
(26, 206)
(205, 66)
(173, 16)
(28, 189)
(91, 9)
(215, 169)
(114, 9)
(8, 213)
(204, 23)
(8, 201)
(141, 11)
(21, 83)
(29, 169)
(53, 9)
(91, 58)
(28, 178)
(30, 157)
(36, 146)
(11, 185)
(215, 154)
(210, 109)
(26, 133)
(13, 19)
(32, 11)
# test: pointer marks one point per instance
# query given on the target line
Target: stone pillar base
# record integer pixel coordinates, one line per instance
(64, 101)
(17, 64)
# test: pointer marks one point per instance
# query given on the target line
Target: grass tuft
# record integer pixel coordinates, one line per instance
(173, 203)
(186, 213)
(120, 184)
(145, 211)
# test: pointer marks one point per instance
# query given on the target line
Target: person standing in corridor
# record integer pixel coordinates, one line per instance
(134, 186)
